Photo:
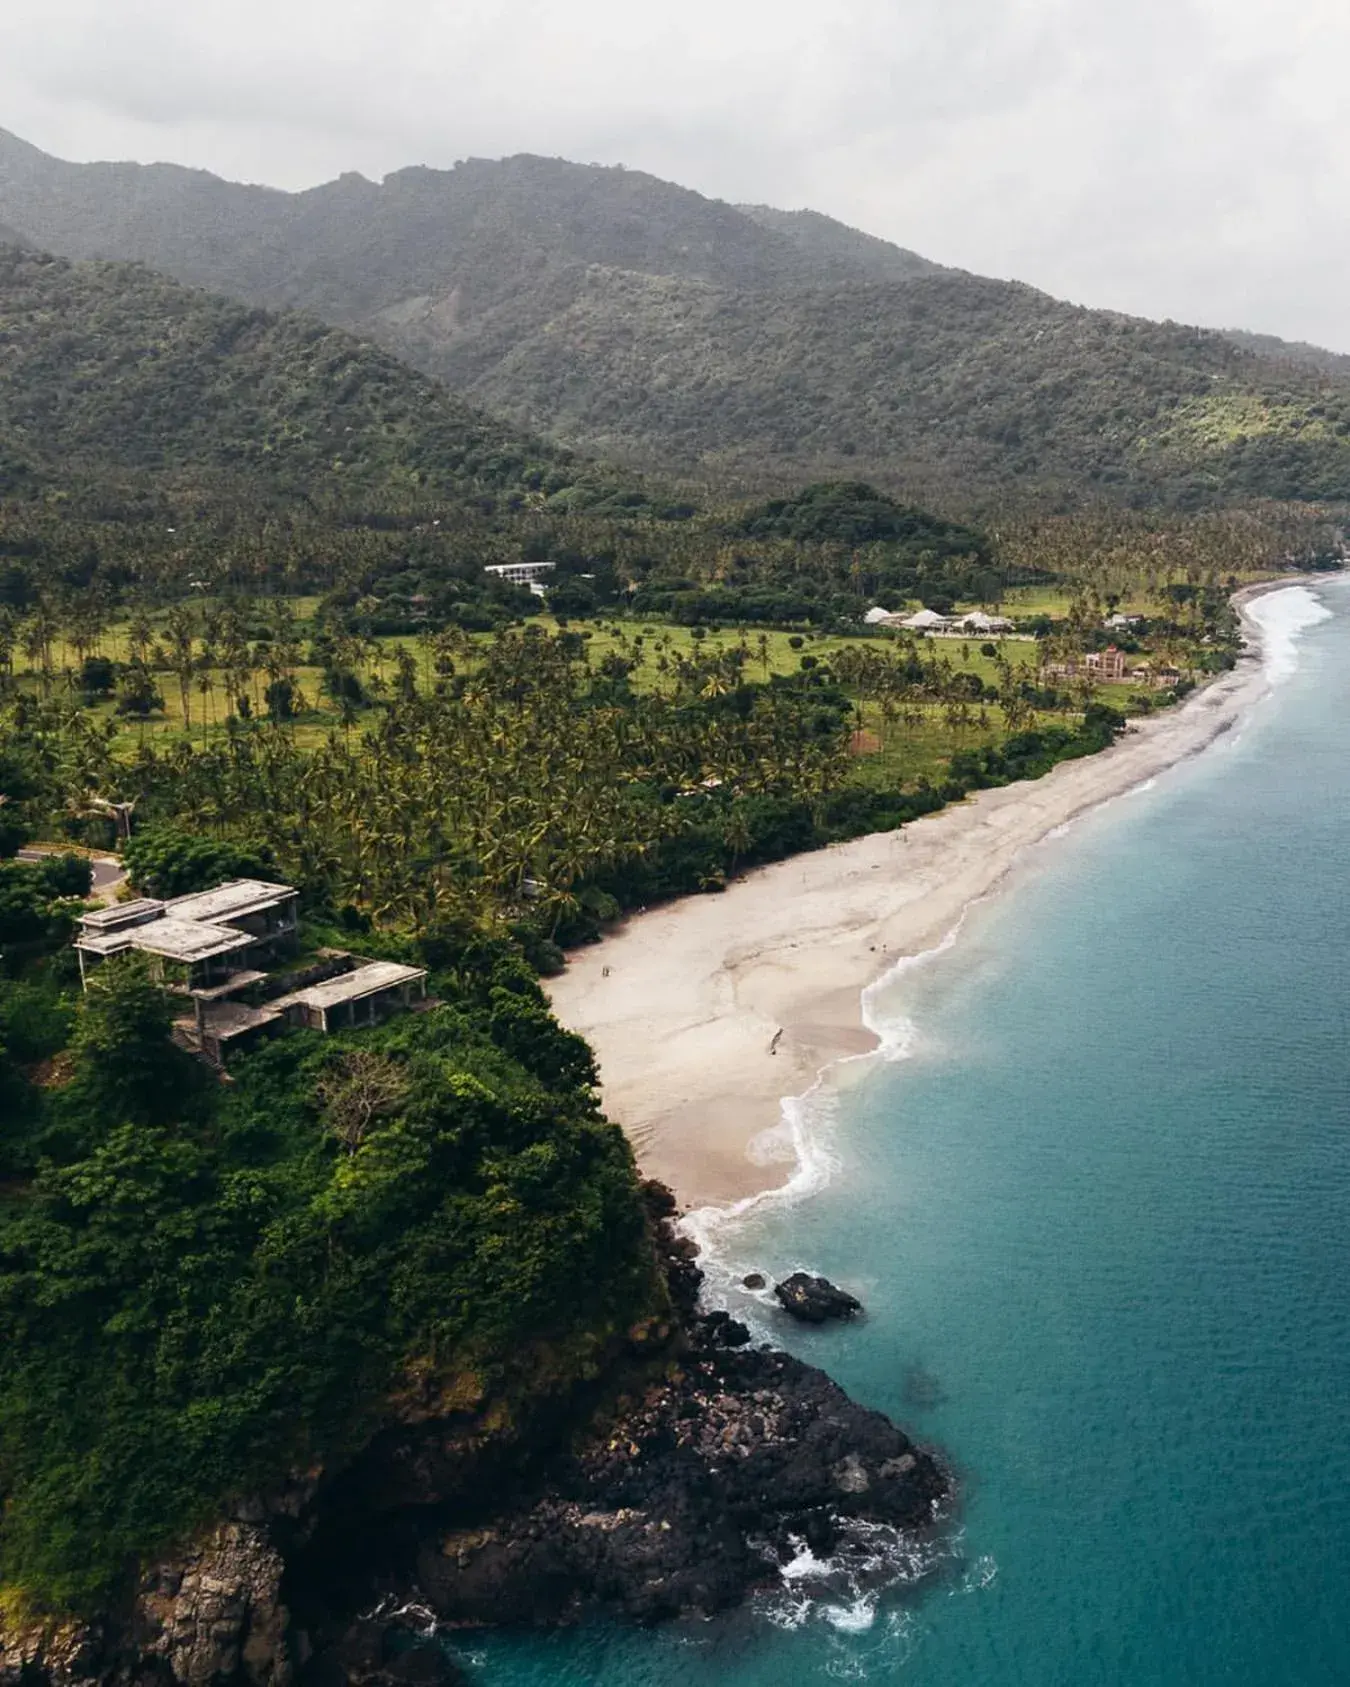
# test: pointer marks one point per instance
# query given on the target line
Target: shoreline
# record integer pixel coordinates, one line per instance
(709, 1016)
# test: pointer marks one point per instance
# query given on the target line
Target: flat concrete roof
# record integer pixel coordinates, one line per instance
(233, 1019)
(353, 986)
(229, 901)
(176, 940)
(122, 914)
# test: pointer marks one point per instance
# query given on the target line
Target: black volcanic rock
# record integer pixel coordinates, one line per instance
(688, 1498)
(373, 1653)
(815, 1300)
(725, 1331)
(680, 1485)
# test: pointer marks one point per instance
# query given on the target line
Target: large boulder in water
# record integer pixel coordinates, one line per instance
(815, 1300)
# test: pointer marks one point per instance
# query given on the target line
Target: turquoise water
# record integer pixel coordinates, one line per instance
(1101, 1220)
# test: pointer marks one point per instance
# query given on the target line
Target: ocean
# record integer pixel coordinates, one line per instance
(1095, 1195)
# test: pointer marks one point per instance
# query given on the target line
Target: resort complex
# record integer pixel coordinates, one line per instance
(222, 948)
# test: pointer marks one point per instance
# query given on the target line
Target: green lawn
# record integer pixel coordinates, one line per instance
(779, 653)
(909, 751)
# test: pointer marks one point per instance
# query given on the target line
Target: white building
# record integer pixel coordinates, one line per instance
(531, 574)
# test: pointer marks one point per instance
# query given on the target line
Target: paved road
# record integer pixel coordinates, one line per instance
(109, 873)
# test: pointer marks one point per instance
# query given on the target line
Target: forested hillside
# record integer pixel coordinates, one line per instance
(111, 366)
(947, 383)
(487, 228)
(631, 317)
(154, 438)
(1292, 351)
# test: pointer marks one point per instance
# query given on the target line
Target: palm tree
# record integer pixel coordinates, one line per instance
(36, 641)
(179, 631)
(206, 686)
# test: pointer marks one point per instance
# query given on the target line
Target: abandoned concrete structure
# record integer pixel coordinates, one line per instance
(219, 947)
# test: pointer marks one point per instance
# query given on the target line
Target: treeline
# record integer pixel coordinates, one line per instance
(387, 571)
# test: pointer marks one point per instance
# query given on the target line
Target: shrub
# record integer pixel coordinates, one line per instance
(163, 861)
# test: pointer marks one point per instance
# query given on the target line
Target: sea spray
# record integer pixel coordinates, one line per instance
(845, 1590)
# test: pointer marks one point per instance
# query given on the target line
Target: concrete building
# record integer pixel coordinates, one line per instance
(359, 997)
(217, 948)
(199, 941)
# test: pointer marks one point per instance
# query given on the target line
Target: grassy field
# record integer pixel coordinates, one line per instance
(661, 644)
(889, 754)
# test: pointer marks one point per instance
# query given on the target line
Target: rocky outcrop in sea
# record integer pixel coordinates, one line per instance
(815, 1300)
(707, 1465)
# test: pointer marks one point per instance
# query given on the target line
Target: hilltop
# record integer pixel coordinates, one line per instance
(112, 367)
(622, 314)
(486, 230)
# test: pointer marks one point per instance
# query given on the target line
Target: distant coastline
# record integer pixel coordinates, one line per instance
(706, 1014)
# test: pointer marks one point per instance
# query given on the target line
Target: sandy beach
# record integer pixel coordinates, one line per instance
(705, 1013)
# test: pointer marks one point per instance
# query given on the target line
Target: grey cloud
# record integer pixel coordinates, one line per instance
(1178, 158)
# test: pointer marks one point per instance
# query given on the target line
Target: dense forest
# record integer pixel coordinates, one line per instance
(206, 1289)
(640, 320)
(113, 366)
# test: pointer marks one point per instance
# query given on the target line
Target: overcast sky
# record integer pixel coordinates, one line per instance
(1183, 158)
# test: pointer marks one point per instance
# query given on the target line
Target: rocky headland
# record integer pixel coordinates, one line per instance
(681, 1484)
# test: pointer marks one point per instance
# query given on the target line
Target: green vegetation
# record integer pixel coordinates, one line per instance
(160, 443)
(537, 781)
(632, 317)
(109, 364)
(38, 904)
(246, 618)
(206, 1290)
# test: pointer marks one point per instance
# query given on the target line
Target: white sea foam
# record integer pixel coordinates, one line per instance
(412, 1612)
(1283, 616)
(845, 1590)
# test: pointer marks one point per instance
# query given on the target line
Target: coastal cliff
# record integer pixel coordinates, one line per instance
(676, 1482)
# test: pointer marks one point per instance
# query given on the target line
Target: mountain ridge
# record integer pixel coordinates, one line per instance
(634, 318)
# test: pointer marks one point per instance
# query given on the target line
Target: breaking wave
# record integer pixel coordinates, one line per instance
(1283, 616)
